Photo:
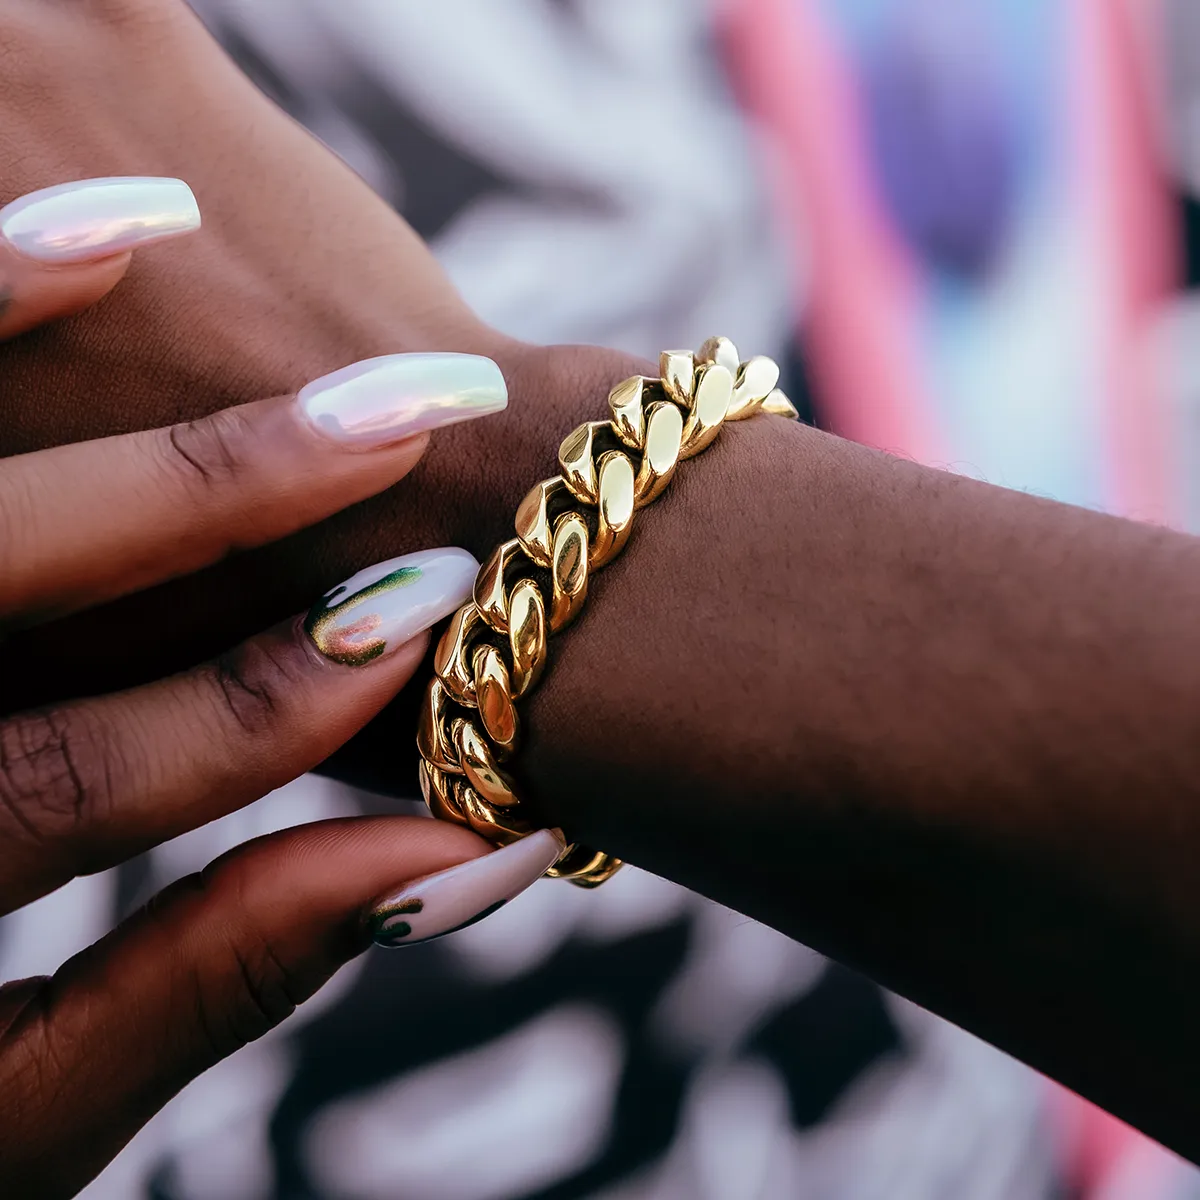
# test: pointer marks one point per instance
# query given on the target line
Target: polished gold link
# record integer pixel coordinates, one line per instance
(598, 870)
(778, 405)
(664, 433)
(579, 863)
(714, 391)
(569, 571)
(438, 791)
(490, 592)
(576, 457)
(534, 519)
(431, 730)
(720, 350)
(423, 770)
(499, 825)
(496, 646)
(677, 369)
(450, 658)
(479, 765)
(755, 381)
(602, 868)
(526, 635)
(614, 516)
(493, 694)
(627, 401)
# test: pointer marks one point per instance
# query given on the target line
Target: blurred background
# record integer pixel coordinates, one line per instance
(969, 229)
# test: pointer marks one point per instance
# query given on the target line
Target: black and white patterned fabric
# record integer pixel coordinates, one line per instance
(633, 1043)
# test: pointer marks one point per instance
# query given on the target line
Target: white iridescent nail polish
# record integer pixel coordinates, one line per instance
(93, 218)
(382, 607)
(462, 895)
(385, 399)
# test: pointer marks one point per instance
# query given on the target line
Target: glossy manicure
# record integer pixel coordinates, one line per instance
(454, 899)
(386, 399)
(381, 608)
(93, 218)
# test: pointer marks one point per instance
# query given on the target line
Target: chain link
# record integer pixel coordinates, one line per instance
(495, 649)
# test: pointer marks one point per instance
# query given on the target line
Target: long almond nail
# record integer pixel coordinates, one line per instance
(385, 399)
(381, 608)
(93, 218)
(453, 899)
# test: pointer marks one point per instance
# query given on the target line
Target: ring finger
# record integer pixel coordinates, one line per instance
(87, 784)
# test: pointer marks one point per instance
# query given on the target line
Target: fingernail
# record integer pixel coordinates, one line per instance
(92, 218)
(381, 608)
(386, 399)
(454, 899)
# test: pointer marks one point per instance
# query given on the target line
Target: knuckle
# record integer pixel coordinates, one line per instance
(243, 987)
(254, 683)
(33, 1072)
(56, 776)
(34, 1061)
(263, 991)
(211, 453)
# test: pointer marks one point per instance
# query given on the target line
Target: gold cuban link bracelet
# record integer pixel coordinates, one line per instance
(495, 648)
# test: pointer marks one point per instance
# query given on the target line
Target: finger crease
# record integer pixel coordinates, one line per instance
(261, 990)
(236, 688)
(194, 462)
(12, 803)
(78, 791)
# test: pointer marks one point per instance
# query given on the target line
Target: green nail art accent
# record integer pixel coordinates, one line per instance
(401, 929)
(349, 641)
(393, 934)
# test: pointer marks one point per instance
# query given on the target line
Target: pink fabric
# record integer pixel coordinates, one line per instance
(1124, 197)
(1105, 1159)
(860, 319)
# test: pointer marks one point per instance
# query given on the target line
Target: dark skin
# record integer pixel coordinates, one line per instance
(944, 732)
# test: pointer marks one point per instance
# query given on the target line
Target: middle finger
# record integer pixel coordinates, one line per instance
(84, 523)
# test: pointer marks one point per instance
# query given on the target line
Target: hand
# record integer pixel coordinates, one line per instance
(299, 270)
(219, 958)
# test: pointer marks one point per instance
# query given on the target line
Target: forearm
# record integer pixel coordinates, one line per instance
(942, 731)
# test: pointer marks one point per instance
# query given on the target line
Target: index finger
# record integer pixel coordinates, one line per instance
(84, 523)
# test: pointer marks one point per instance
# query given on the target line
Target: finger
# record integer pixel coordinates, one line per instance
(64, 247)
(86, 522)
(214, 962)
(89, 783)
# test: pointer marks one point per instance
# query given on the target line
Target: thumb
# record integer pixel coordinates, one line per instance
(65, 247)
